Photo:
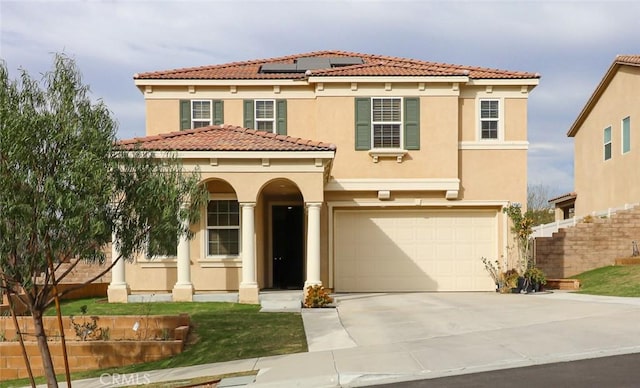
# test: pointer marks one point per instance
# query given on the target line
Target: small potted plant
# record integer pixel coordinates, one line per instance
(536, 278)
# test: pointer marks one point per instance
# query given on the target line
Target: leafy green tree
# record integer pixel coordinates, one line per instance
(67, 186)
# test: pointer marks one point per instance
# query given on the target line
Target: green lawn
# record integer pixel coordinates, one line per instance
(220, 332)
(614, 280)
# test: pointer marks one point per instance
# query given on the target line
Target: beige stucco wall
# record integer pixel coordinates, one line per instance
(494, 175)
(163, 116)
(489, 176)
(602, 184)
(446, 119)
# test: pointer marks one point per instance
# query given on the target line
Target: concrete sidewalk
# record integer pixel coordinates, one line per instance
(381, 338)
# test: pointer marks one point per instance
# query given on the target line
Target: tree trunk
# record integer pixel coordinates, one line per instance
(43, 345)
(20, 337)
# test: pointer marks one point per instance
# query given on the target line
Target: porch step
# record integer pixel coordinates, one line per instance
(229, 297)
(146, 298)
(281, 301)
(562, 284)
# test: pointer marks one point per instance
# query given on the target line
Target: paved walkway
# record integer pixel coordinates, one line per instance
(384, 338)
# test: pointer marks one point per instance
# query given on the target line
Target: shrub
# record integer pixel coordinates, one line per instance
(535, 276)
(509, 280)
(317, 296)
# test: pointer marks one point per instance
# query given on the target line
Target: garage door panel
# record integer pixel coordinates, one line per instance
(389, 250)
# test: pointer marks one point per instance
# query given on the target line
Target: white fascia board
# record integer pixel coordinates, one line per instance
(392, 79)
(444, 184)
(408, 202)
(217, 82)
(255, 154)
(236, 154)
(156, 154)
(505, 82)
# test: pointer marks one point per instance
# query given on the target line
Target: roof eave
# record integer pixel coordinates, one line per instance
(384, 78)
(222, 82)
(319, 154)
(602, 85)
(505, 81)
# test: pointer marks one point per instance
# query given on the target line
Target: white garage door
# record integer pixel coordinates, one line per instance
(393, 250)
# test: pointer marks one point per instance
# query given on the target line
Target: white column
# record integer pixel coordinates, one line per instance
(313, 245)
(118, 289)
(248, 292)
(183, 289)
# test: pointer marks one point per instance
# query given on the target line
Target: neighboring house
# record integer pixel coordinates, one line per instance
(401, 188)
(564, 206)
(606, 146)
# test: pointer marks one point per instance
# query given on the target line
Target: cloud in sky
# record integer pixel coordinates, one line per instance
(570, 43)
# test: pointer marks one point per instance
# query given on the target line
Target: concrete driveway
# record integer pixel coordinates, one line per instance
(391, 318)
(399, 337)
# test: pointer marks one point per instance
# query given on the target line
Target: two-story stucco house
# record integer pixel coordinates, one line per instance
(606, 151)
(358, 172)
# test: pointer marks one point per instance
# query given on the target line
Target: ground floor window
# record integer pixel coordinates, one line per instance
(223, 228)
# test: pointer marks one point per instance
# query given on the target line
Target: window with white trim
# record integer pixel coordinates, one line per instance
(489, 119)
(265, 115)
(223, 227)
(626, 135)
(386, 122)
(201, 113)
(607, 143)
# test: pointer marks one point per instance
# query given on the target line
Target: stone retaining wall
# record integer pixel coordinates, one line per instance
(588, 245)
(157, 337)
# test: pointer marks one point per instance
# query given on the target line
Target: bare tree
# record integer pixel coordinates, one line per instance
(538, 208)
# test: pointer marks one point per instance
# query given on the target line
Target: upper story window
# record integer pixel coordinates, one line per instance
(489, 119)
(386, 120)
(266, 115)
(607, 143)
(387, 123)
(223, 227)
(200, 113)
(626, 135)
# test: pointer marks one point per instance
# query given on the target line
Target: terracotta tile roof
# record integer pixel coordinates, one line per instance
(224, 138)
(374, 65)
(563, 197)
(628, 59)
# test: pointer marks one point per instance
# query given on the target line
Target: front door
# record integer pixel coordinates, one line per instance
(288, 250)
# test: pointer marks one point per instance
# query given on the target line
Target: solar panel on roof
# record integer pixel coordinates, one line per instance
(310, 63)
(313, 63)
(279, 68)
(345, 61)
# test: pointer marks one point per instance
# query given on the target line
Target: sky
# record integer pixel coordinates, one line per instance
(571, 44)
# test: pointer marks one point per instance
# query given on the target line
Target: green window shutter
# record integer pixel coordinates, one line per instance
(218, 112)
(412, 123)
(281, 117)
(363, 123)
(185, 114)
(248, 114)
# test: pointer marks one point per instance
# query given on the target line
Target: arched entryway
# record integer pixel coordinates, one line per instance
(284, 235)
